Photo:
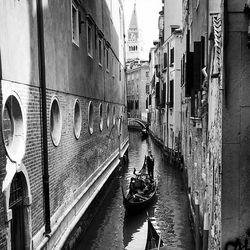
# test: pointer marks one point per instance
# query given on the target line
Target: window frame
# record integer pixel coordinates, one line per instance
(100, 55)
(107, 58)
(76, 39)
(90, 39)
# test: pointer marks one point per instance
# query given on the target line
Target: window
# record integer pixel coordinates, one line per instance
(90, 39)
(173, 29)
(171, 95)
(165, 60)
(100, 51)
(13, 128)
(77, 119)
(108, 115)
(171, 57)
(101, 117)
(90, 118)
(114, 116)
(107, 59)
(75, 24)
(55, 121)
(147, 74)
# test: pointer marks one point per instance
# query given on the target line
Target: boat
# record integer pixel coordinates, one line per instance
(141, 192)
(154, 241)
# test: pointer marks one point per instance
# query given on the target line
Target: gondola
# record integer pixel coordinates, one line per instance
(154, 241)
(142, 192)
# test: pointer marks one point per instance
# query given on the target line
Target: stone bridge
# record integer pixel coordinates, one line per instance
(142, 123)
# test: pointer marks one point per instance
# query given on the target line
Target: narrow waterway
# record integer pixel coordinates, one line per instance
(113, 228)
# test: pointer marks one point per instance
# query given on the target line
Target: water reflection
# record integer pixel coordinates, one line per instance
(113, 228)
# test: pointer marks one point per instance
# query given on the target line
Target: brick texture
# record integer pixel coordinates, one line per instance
(71, 162)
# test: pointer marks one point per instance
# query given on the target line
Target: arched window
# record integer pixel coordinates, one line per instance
(114, 115)
(77, 119)
(101, 117)
(108, 115)
(90, 118)
(55, 121)
(13, 128)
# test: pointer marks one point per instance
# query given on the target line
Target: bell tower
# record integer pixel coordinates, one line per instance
(134, 47)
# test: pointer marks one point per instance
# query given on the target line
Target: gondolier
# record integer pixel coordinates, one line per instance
(150, 164)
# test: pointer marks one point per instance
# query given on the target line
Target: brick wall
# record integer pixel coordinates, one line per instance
(2, 174)
(71, 162)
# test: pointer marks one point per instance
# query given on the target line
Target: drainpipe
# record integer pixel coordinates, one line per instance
(42, 78)
(225, 37)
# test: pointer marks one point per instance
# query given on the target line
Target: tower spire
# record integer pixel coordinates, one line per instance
(133, 22)
(134, 40)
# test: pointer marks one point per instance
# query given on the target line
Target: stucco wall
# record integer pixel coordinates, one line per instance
(235, 127)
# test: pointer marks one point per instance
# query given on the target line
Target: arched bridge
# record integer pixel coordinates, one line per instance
(142, 123)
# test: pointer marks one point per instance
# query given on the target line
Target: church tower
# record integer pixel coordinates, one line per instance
(134, 47)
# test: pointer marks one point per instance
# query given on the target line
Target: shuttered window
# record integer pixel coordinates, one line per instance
(171, 94)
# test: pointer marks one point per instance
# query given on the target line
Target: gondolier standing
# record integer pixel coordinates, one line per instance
(150, 164)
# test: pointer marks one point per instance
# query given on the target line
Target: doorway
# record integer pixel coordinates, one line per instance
(16, 204)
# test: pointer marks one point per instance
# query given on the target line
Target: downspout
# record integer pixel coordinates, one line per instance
(225, 30)
(207, 40)
(42, 79)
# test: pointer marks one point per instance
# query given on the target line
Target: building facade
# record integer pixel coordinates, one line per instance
(137, 79)
(63, 114)
(166, 77)
(213, 116)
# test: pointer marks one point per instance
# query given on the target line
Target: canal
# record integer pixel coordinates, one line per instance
(113, 228)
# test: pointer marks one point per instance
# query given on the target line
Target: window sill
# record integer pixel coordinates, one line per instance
(89, 55)
(75, 43)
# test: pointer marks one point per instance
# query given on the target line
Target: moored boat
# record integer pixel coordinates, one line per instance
(154, 241)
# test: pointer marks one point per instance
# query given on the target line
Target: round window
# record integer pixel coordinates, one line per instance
(13, 129)
(101, 117)
(108, 115)
(55, 121)
(90, 118)
(114, 118)
(77, 119)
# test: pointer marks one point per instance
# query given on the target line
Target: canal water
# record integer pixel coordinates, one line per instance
(113, 228)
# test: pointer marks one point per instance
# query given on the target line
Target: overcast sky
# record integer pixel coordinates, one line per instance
(147, 15)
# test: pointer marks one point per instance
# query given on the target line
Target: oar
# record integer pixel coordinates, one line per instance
(159, 243)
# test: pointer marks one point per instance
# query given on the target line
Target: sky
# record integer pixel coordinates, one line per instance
(147, 15)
